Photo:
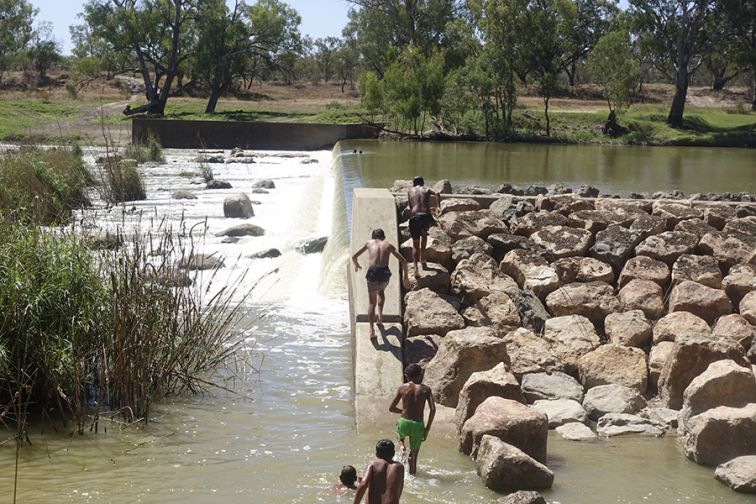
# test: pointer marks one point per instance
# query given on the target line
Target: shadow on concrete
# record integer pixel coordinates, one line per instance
(384, 344)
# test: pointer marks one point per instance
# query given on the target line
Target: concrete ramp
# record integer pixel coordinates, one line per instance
(377, 366)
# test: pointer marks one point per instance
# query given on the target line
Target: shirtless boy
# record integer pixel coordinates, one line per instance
(413, 395)
(384, 478)
(378, 274)
(347, 480)
(420, 217)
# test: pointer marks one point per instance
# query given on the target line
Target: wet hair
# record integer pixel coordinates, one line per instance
(414, 372)
(384, 449)
(378, 234)
(418, 181)
(348, 475)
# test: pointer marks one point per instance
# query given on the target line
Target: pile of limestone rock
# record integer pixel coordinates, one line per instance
(591, 316)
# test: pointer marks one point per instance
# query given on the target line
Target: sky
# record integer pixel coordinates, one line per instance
(320, 18)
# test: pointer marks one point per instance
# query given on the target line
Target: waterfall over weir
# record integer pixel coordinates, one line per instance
(336, 253)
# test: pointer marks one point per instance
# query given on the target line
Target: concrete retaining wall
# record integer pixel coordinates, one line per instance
(247, 135)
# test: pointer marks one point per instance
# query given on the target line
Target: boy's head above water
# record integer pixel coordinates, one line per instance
(348, 475)
(384, 449)
(418, 181)
(414, 373)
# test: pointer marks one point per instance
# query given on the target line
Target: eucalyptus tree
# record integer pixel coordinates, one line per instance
(325, 56)
(44, 50)
(275, 37)
(740, 17)
(16, 17)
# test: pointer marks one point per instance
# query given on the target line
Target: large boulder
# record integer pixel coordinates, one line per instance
(550, 386)
(478, 223)
(748, 307)
(498, 381)
(735, 327)
(461, 354)
(561, 411)
(724, 383)
(616, 364)
(680, 324)
(657, 357)
(466, 247)
(242, 230)
(532, 222)
(740, 280)
(615, 245)
(533, 314)
(563, 241)
(238, 206)
(594, 221)
(437, 250)
(694, 226)
(644, 268)
(529, 353)
(503, 467)
(571, 337)
(617, 424)
(718, 216)
(582, 269)
(630, 328)
(510, 421)
(728, 248)
(531, 271)
(504, 243)
(707, 303)
(458, 205)
(738, 474)
(643, 295)
(744, 225)
(496, 311)
(430, 276)
(594, 300)
(702, 269)
(648, 225)
(612, 399)
(576, 431)
(479, 276)
(314, 245)
(721, 434)
(421, 349)
(668, 246)
(264, 184)
(690, 357)
(218, 184)
(673, 213)
(428, 313)
(562, 203)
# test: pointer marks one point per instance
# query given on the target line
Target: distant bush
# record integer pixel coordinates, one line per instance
(151, 150)
(122, 181)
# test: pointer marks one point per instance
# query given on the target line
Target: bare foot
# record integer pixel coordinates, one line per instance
(373, 336)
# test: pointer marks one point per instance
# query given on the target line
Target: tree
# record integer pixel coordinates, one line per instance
(16, 18)
(44, 51)
(347, 61)
(325, 55)
(275, 38)
(614, 68)
(678, 31)
(740, 16)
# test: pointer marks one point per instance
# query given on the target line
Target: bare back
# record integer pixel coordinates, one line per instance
(386, 482)
(414, 397)
(419, 199)
(379, 252)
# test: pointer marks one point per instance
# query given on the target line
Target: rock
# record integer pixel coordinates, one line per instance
(231, 239)
(735, 327)
(218, 184)
(668, 246)
(510, 189)
(498, 381)
(718, 216)
(437, 250)
(747, 307)
(258, 190)
(619, 206)
(673, 213)
(511, 422)
(673, 194)
(643, 295)
(630, 328)
(264, 184)
(496, 311)
(532, 222)
(401, 186)
(266, 254)
(562, 203)
(576, 431)
(503, 467)
(479, 276)
(503, 208)
(473, 189)
(593, 270)
(460, 354)
(183, 195)
(421, 349)
(617, 424)
(533, 314)
(200, 262)
(466, 247)
(443, 186)
(561, 411)
(648, 225)
(668, 418)
(478, 223)
(707, 303)
(657, 357)
(644, 268)
(612, 399)
(551, 386)
(571, 337)
(594, 300)
(243, 230)
(721, 434)
(559, 188)
(428, 313)
(238, 206)
(615, 245)
(458, 205)
(738, 474)
(504, 243)
(695, 226)
(522, 497)
(431, 276)
(563, 241)
(614, 364)
(529, 353)
(745, 226)
(740, 280)
(104, 241)
(312, 245)
(530, 271)
(594, 221)
(680, 324)
(690, 357)
(587, 191)
(702, 269)
(724, 383)
(728, 249)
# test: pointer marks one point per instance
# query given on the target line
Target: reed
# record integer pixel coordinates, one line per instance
(121, 181)
(148, 151)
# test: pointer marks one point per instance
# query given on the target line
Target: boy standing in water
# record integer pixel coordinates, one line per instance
(420, 217)
(378, 274)
(384, 478)
(413, 395)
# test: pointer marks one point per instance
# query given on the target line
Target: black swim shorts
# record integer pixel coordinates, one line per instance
(419, 223)
(377, 278)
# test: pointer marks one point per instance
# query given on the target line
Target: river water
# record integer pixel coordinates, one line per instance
(286, 433)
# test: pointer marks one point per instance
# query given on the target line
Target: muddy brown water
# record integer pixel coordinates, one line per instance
(284, 437)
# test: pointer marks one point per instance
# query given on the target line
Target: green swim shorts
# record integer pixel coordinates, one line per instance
(415, 430)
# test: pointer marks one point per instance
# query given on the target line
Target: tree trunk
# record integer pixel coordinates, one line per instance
(215, 94)
(546, 113)
(753, 90)
(675, 117)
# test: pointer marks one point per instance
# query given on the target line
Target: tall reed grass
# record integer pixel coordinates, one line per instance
(148, 151)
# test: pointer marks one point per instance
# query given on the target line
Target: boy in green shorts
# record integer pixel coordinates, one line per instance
(413, 395)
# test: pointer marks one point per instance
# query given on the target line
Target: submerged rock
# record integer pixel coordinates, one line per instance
(312, 245)
(739, 474)
(266, 254)
(243, 230)
(238, 206)
(504, 467)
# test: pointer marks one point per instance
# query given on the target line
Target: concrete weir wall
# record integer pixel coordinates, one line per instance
(377, 366)
(247, 135)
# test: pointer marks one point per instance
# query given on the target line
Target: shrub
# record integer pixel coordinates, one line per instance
(122, 181)
(151, 150)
